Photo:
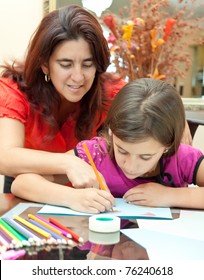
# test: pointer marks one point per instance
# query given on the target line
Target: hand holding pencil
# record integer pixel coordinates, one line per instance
(102, 184)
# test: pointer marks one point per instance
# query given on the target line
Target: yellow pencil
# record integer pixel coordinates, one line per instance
(94, 167)
(33, 227)
(48, 226)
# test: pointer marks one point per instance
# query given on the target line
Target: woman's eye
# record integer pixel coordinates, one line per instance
(65, 65)
(88, 65)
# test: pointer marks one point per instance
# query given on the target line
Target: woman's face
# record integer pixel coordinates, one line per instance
(137, 159)
(71, 69)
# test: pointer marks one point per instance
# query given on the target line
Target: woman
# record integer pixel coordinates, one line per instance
(59, 95)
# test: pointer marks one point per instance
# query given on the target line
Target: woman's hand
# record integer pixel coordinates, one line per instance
(91, 200)
(151, 194)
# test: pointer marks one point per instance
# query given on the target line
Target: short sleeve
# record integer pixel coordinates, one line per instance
(13, 103)
(189, 160)
(97, 149)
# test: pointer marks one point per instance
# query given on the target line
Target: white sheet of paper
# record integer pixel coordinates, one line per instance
(189, 225)
(124, 210)
(163, 246)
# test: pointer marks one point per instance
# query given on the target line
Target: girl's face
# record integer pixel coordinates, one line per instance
(137, 159)
(71, 69)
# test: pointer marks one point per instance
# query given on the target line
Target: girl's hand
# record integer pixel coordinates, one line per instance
(91, 200)
(150, 194)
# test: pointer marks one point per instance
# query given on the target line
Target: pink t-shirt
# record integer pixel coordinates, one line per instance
(178, 170)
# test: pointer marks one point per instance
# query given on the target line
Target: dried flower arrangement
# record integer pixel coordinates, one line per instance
(151, 38)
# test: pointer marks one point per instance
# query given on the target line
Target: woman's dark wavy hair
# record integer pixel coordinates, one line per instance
(68, 23)
(147, 108)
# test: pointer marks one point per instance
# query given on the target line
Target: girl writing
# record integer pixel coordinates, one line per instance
(139, 154)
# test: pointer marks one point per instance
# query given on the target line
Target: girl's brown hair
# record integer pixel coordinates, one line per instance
(147, 108)
(68, 23)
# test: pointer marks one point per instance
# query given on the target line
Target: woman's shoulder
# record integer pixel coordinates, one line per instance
(13, 101)
(9, 87)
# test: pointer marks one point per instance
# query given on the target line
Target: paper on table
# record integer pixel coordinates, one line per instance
(163, 246)
(188, 225)
(122, 209)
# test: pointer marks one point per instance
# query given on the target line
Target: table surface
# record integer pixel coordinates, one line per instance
(119, 247)
(123, 249)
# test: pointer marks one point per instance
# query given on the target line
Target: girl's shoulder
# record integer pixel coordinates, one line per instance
(188, 150)
(186, 157)
(97, 147)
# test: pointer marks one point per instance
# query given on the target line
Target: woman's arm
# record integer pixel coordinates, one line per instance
(187, 137)
(43, 190)
(15, 159)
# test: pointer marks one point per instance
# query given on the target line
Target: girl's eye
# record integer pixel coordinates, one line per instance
(122, 152)
(146, 157)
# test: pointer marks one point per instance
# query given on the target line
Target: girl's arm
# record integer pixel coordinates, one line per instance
(15, 159)
(44, 190)
(154, 194)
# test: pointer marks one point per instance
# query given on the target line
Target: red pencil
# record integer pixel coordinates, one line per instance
(75, 236)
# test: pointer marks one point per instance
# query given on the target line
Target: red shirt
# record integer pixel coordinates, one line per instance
(14, 104)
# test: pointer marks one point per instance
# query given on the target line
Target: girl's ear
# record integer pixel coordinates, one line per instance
(109, 132)
(166, 150)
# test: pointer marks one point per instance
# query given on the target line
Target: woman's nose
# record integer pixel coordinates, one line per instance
(77, 74)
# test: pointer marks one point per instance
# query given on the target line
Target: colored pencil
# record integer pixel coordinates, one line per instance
(12, 254)
(56, 236)
(102, 186)
(33, 227)
(48, 225)
(20, 229)
(6, 236)
(63, 232)
(14, 235)
(75, 236)
(3, 240)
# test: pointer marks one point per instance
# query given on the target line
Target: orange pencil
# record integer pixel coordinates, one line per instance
(94, 167)
(102, 186)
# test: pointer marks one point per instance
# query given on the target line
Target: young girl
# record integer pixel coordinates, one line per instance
(140, 155)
